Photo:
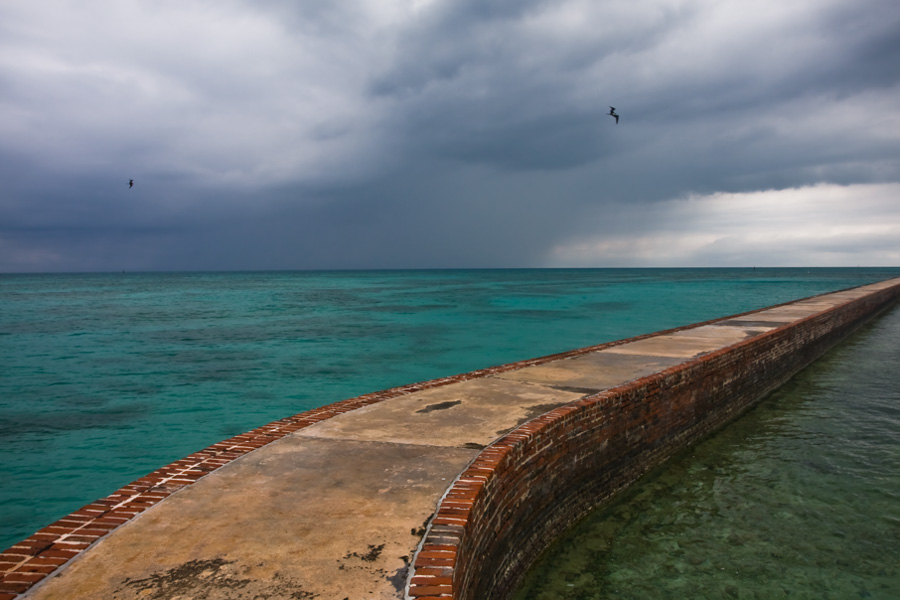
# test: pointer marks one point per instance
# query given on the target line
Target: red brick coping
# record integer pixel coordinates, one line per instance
(529, 486)
(28, 562)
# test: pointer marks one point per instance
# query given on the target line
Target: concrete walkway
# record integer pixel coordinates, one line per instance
(337, 509)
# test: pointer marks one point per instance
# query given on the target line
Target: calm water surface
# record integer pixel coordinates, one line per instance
(798, 499)
(106, 377)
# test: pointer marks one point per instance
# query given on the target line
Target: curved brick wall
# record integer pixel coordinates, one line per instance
(524, 490)
(29, 562)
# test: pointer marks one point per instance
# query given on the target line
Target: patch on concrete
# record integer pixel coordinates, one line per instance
(474, 446)
(439, 406)
(533, 413)
(212, 579)
(738, 323)
(449, 416)
(591, 372)
(578, 390)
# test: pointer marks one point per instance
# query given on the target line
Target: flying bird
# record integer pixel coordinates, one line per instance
(131, 181)
(612, 113)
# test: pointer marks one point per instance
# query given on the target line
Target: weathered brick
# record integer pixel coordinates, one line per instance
(591, 449)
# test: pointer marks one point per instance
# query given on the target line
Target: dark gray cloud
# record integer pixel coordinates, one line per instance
(415, 133)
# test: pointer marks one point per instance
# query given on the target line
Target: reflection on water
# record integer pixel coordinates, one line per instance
(800, 498)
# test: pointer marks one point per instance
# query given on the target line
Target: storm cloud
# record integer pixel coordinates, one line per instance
(415, 133)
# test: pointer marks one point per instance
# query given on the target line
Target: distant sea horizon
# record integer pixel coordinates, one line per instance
(191, 271)
(108, 376)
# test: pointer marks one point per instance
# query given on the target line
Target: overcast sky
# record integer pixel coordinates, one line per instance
(309, 134)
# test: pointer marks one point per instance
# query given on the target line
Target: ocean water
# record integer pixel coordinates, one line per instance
(106, 377)
(798, 499)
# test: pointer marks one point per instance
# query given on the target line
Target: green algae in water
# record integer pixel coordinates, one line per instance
(800, 499)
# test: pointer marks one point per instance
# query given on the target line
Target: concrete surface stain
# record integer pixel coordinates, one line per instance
(201, 576)
(737, 323)
(398, 579)
(439, 406)
(533, 412)
(577, 390)
(370, 556)
(213, 579)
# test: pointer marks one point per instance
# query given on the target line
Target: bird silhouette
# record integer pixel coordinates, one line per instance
(130, 183)
(612, 113)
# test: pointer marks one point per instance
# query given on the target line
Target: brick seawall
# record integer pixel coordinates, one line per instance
(527, 488)
(339, 502)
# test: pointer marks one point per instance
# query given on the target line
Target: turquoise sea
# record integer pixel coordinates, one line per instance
(106, 377)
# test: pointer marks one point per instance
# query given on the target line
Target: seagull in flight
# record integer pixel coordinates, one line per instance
(612, 113)
(131, 181)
